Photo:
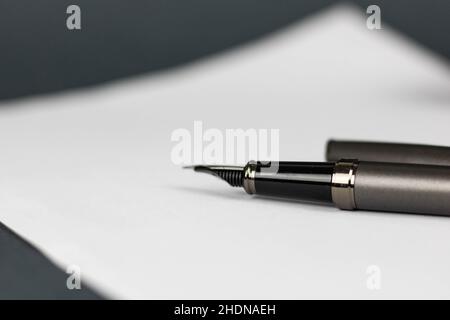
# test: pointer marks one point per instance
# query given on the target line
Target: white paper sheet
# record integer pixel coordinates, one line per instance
(87, 176)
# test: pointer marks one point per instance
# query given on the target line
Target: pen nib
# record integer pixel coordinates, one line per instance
(232, 174)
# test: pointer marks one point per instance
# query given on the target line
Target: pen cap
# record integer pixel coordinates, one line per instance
(388, 152)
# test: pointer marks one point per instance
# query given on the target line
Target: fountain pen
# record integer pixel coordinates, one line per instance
(348, 184)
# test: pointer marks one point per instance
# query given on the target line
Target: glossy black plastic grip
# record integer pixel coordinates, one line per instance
(306, 181)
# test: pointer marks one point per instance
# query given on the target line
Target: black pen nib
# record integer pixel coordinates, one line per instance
(234, 175)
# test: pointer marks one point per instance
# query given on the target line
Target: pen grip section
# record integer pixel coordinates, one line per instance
(305, 181)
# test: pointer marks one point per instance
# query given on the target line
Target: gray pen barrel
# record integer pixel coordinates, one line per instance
(408, 188)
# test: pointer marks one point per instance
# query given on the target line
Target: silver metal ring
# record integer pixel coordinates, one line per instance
(249, 177)
(343, 184)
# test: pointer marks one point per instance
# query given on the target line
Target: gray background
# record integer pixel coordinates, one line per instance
(119, 39)
(25, 273)
(123, 38)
